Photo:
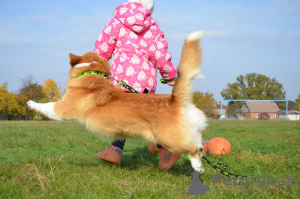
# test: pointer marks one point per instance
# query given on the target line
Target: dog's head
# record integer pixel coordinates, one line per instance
(88, 62)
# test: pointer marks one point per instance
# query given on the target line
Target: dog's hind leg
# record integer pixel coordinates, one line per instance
(46, 109)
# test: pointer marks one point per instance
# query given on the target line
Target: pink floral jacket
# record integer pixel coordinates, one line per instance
(137, 46)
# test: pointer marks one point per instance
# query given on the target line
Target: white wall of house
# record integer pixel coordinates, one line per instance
(293, 117)
(290, 117)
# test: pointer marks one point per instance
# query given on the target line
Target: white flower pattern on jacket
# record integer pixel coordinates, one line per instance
(137, 46)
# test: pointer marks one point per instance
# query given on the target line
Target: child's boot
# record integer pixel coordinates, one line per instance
(111, 154)
(152, 148)
(167, 159)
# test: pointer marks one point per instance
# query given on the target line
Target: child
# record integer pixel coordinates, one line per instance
(137, 47)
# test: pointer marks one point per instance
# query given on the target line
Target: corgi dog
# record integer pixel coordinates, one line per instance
(173, 121)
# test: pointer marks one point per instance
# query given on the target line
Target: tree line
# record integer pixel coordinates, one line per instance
(13, 105)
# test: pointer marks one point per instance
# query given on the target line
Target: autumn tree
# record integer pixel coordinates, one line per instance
(51, 91)
(30, 90)
(234, 109)
(205, 102)
(9, 106)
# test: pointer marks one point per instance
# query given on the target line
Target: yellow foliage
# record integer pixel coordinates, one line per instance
(205, 102)
(51, 91)
(9, 105)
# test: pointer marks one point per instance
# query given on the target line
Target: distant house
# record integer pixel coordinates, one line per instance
(252, 109)
(217, 110)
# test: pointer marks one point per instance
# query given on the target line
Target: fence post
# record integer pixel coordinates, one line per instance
(286, 112)
(221, 116)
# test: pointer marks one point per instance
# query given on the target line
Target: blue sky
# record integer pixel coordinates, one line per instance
(257, 36)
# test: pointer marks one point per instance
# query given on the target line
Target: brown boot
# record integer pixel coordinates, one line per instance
(152, 148)
(111, 155)
(167, 159)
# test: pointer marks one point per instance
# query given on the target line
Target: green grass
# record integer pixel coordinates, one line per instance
(58, 160)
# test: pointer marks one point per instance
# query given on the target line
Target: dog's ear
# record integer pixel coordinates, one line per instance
(74, 59)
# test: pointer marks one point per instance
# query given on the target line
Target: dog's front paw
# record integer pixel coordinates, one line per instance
(31, 104)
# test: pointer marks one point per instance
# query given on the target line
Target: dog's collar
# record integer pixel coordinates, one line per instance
(91, 72)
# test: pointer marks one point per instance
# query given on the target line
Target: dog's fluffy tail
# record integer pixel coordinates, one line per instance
(189, 68)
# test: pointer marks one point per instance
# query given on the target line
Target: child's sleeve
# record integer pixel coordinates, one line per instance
(106, 42)
(163, 59)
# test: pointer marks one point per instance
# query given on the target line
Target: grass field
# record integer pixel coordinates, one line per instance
(58, 160)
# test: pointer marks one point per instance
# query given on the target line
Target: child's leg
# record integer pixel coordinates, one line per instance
(119, 143)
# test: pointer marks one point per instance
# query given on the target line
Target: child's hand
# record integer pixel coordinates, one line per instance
(172, 82)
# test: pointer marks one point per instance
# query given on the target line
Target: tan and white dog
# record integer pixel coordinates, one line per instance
(173, 121)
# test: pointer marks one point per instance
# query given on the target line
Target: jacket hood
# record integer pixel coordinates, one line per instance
(134, 16)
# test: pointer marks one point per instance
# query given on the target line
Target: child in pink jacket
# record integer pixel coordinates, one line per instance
(138, 48)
